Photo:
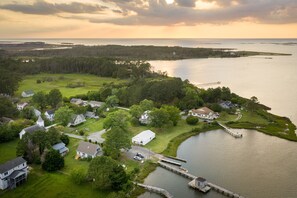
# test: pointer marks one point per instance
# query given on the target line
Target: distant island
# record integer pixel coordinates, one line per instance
(136, 52)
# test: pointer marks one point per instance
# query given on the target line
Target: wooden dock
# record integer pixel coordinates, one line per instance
(176, 158)
(231, 132)
(170, 162)
(157, 190)
(187, 175)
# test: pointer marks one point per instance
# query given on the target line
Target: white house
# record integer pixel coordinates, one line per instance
(95, 104)
(37, 113)
(31, 129)
(50, 115)
(21, 106)
(76, 120)
(40, 122)
(204, 113)
(78, 101)
(61, 147)
(144, 137)
(86, 150)
(13, 173)
(145, 118)
(90, 114)
(27, 93)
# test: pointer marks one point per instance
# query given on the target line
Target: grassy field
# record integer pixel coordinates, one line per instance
(163, 136)
(8, 150)
(60, 81)
(90, 126)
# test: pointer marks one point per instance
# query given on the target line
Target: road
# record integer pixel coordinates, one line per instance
(96, 136)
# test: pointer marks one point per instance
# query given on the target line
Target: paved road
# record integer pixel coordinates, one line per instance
(75, 136)
(148, 154)
(96, 136)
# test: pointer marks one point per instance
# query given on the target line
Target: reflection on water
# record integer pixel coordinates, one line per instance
(257, 165)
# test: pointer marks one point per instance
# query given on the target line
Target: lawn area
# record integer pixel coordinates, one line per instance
(90, 126)
(60, 81)
(163, 136)
(8, 150)
(253, 117)
(48, 185)
(225, 117)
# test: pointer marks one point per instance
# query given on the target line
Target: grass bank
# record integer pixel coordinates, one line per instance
(61, 82)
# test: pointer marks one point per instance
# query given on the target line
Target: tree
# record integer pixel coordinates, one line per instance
(40, 99)
(118, 118)
(159, 117)
(63, 115)
(136, 111)
(54, 97)
(116, 139)
(6, 108)
(112, 101)
(9, 81)
(53, 136)
(146, 105)
(107, 174)
(192, 120)
(28, 113)
(173, 113)
(78, 176)
(53, 161)
(65, 139)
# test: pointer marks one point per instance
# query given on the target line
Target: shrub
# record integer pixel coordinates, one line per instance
(65, 139)
(192, 120)
(78, 176)
(38, 81)
(81, 132)
(53, 161)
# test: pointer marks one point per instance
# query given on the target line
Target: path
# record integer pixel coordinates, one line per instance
(155, 189)
(75, 136)
(97, 136)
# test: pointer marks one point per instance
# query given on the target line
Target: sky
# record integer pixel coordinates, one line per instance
(148, 18)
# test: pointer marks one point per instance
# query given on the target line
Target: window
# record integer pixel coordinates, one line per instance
(6, 173)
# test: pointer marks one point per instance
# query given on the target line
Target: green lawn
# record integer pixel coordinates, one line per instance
(90, 126)
(92, 83)
(163, 136)
(48, 185)
(225, 117)
(8, 150)
(253, 117)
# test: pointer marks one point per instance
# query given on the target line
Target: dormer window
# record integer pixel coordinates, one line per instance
(6, 173)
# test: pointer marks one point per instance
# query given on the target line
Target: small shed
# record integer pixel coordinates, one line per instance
(61, 147)
(144, 137)
(200, 182)
(27, 93)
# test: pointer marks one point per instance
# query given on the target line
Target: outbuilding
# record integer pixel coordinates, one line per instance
(144, 137)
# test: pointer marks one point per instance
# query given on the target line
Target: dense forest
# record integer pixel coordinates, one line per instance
(122, 52)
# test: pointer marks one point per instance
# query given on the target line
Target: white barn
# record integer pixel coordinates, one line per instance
(144, 137)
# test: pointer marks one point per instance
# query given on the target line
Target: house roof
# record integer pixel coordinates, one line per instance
(50, 112)
(203, 110)
(39, 119)
(201, 179)
(16, 174)
(60, 146)
(96, 103)
(144, 135)
(22, 104)
(11, 164)
(34, 128)
(28, 92)
(88, 148)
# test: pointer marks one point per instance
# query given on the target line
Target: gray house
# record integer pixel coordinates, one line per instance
(86, 150)
(31, 129)
(61, 147)
(13, 173)
(27, 93)
(76, 120)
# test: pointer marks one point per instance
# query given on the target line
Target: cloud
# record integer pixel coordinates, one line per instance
(159, 13)
(44, 8)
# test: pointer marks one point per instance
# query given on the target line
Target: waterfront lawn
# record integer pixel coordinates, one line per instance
(8, 150)
(253, 117)
(47, 185)
(90, 126)
(60, 81)
(163, 136)
(225, 117)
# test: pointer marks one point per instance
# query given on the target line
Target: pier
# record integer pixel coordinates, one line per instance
(187, 175)
(170, 162)
(157, 190)
(231, 132)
